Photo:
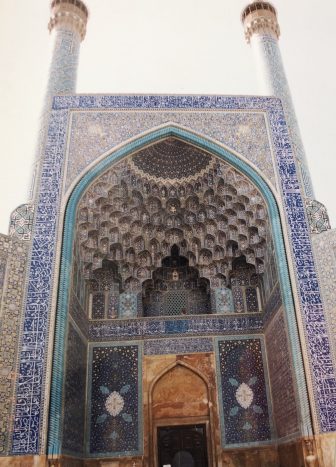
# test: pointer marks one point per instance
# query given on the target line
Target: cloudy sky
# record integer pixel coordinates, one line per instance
(180, 46)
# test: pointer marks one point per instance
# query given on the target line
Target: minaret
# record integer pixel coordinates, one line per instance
(68, 26)
(262, 32)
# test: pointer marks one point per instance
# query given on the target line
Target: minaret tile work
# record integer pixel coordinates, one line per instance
(262, 31)
(68, 25)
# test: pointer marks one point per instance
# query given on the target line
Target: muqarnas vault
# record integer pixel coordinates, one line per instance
(167, 292)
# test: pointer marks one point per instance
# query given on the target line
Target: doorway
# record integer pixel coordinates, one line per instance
(182, 446)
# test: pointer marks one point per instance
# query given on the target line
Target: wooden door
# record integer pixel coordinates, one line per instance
(182, 446)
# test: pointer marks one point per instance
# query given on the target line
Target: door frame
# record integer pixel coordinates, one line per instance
(208, 420)
(187, 421)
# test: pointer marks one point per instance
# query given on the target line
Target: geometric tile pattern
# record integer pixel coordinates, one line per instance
(137, 329)
(94, 133)
(78, 314)
(3, 262)
(267, 50)
(324, 246)
(317, 216)
(273, 303)
(13, 262)
(29, 402)
(114, 397)
(281, 377)
(74, 394)
(244, 402)
(173, 158)
(21, 222)
(61, 80)
(177, 346)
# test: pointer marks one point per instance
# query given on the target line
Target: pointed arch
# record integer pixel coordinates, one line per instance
(173, 365)
(216, 149)
(198, 392)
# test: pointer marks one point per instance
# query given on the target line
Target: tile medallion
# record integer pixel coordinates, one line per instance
(21, 222)
(114, 418)
(317, 216)
(243, 395)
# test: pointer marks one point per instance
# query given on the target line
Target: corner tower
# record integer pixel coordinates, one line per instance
(262, 31)
(68, 26)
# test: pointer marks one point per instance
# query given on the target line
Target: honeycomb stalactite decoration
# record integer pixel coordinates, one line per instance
(133, 220)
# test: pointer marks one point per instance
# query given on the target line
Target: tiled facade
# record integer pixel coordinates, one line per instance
(13, 262)
(284, 396)
(324, 245)
(274, 83)
(115, 400)
(287, 172)
(21, 222)
(74, 393)
(100, 130)
(189, 334)
(245, 414)
(62, 80)
(317, 216)
(122, 182)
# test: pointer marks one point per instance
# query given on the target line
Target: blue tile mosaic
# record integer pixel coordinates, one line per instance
(245, 413)
(135, 329)
(280, 371)
(273, 303)
(115, 398)
(74, 394)
(29, 398)
(177, 346)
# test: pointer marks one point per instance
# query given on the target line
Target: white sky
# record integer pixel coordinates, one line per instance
(175, 46)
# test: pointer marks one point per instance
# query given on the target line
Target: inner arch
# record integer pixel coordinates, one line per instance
(172, 195)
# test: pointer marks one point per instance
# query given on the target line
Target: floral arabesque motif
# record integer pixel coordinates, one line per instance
(114, 404)
(244, 396)
(243, 391)
(114, 416)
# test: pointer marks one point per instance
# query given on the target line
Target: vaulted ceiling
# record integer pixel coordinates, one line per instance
(171, 193)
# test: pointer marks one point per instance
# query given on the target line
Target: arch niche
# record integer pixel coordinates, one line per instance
(212, 149)
(180, 397)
